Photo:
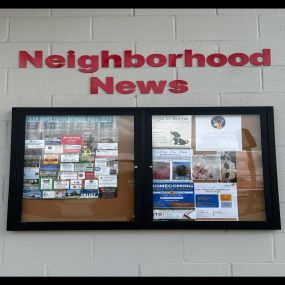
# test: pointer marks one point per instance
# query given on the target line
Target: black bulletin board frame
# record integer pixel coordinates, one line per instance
(143, 171)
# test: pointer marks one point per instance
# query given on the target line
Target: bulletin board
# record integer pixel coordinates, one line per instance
(143, 168)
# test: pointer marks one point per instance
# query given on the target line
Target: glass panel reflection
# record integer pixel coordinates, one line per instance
(78, 168)
(207, 168)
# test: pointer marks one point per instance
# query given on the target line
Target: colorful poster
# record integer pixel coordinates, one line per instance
(48, 167)
(108, 192)
(71, 140)
(173, 195)
(171, 131)
(34, 144)
(53, 149)
(218, 133)
(73, 194)
(108, 181)
(32, 194)
(50, 159)
(206, 167)
(216, 201)
(89, 193)
(228, 167)
(161, 170)
(69, 158)
(89, 175)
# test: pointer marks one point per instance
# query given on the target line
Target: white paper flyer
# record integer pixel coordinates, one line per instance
(218, 133)
(171, 131)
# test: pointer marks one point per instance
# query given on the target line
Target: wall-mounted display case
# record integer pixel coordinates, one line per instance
(143, 168)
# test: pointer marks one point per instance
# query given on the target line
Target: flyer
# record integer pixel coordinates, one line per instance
(101, 162)
(176, 214)
(161, 170)
(218, 133)
(46, 183)
(108, 181)
(31, 172)
(34, 144)
(67, 175)
(67, 166)
(50, 159)
(81, 175)
(59, 194)
(72, 148)
(32, 194)
(56, 194)
(216, 201)
(33, 151)
(102, 171)
(48, 167)
(61, 184)
(206, 167)
(168, 154)
(91, 184)
(53, 149)
(52, 141)
(48, 194)
(181, 170)
(108, 192)
(89, 175)
(107, 146)
(228, 167)
(44, 173)
(106, 153)
(72, 194)
(113, 164)
(69, 158)
(172, 131)
(87, 157)
(72, 140)
(76, 184)
(84, 166)
(32, 161)
(89, 193)
(173, 195)
(31, 184)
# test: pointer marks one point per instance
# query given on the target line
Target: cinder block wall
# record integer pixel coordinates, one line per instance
(141, 253)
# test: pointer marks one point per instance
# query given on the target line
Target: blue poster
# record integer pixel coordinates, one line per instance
(207, 201)
(173, 194)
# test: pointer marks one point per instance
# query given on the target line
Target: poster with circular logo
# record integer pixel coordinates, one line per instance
(218, 122)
